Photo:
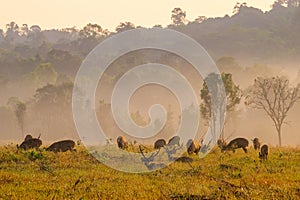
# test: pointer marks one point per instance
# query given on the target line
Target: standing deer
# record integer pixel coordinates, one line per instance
(264, 151)
(159, 143)
(122, 142)
(192, 147)
(235, 144)
(62, 146)
(256, 143)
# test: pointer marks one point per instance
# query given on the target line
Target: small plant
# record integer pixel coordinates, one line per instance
(33, 155)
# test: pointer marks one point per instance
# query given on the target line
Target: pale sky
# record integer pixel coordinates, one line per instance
(68, 13)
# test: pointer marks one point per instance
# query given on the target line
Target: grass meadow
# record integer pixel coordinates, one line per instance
(77, 175)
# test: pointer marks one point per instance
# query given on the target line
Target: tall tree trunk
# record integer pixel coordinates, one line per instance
(279, 135)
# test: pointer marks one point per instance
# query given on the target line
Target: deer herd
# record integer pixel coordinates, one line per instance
(192, 147)
(34, 143)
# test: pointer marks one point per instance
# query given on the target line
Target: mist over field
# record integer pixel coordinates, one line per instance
(38, 68)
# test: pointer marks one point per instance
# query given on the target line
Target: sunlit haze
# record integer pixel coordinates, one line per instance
(68, 13)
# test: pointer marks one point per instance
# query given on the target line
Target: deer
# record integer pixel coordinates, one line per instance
(234, 144)
(61, 146)
(256, 143)
(264, 151)
(30, 143)
(192, 147)
(122, 142)
(159, 143)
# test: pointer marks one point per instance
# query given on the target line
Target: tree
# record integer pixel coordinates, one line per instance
(1, 35)
(233, 94)
(200, 19)
(178, 17)
(157, 26)
(54, 95)
(12, 31)
(36, 36)
(45, 74)
(238, 6)
(286, 3)
(93, 30)
(125, 26)
(19, 109)
(276, 97)
(12, 26)
(24, 30)
(35, 28)
(52, 107)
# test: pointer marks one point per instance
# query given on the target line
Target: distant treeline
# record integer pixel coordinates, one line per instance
(37, 66)
(249, 34)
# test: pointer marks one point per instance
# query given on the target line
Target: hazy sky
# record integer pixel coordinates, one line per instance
(68, 13)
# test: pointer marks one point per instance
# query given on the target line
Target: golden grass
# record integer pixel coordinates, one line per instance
(77, 175)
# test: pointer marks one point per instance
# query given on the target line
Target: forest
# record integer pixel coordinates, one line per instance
(38, 67)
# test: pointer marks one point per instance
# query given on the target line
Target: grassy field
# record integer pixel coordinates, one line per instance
(77, 175)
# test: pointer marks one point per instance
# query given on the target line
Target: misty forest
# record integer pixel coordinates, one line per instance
(257, 53)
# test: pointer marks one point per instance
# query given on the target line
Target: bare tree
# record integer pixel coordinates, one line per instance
(276, 97)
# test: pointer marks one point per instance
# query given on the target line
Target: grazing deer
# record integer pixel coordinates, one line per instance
(221, 143)
(264, 151)
(192, 147)
(33, 143)
(122, 142)
(159, 143)
(236, 144)
(62, 146)
(256, 143)
(174, 141)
